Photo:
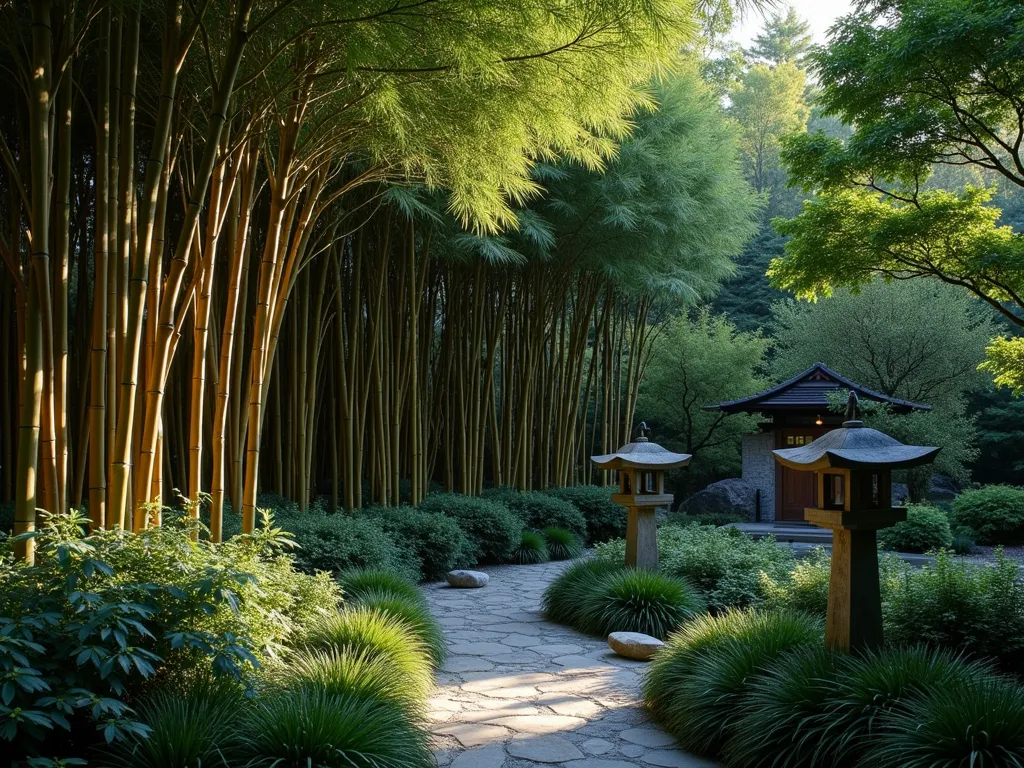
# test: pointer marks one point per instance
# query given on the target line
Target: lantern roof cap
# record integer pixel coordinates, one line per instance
(854, 446)
(642, 454)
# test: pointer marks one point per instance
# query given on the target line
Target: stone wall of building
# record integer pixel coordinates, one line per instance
(759, 469)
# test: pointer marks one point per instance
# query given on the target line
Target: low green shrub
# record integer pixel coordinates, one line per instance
(539, 510)
(335, 543)
(415, 615)
(355, 583)
(714, 519)
(312, 727)
(360, 630)
(100, 617)
(564, 597)
(532, 548)
(925, 529)
(189, 725)
(805, 588)
(959, 605)
(438, 541)
(631, 600)
(562, 544)
(780, 719)
(605, 519)
(493, 529)
(976, 722)
(723, 563)
(995, 513)
(712, 669)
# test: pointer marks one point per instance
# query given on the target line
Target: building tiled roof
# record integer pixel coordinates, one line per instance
(809, 390)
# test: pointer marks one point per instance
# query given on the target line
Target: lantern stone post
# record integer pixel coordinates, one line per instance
(641, 466)
(854, 472)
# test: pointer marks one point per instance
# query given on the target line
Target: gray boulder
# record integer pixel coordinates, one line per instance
(899, 494)
(634, 645)
(468, 579)
(943, 488)
(726, 497)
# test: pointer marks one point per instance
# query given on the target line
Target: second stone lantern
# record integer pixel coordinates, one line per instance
(854, 471)
(641, 466)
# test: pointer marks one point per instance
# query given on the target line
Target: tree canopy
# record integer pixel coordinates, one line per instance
(925, 83)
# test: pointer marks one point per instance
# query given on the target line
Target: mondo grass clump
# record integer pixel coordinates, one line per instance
(378, 634)
(695, 683)
(562, 544)
(976, 722)
(532, 549)
(189, 725)
(564, 597)
(781, 719)
(356, 582)
(632, 600)
(297, 729)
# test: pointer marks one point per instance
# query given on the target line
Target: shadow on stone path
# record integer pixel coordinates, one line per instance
(519, 691)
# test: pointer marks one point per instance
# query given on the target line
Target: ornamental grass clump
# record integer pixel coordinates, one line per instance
(356, 582)
(532, 549)
(880, 682)
(781, 719)
(562, 544)
(298, 729)
(694, 684)
(563, 599)
(190, 724)
(631, 600)
(378, 634)
(975, 722)
(415, 615)
(341, 671)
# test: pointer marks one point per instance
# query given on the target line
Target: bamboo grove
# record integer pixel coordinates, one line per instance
(345, 249)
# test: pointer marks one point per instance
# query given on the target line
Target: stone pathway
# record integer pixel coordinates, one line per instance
(518, 691)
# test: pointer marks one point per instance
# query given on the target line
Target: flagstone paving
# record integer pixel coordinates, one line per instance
(518, 691)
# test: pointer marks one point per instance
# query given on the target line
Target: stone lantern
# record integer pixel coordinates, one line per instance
(641, 466)
(854, 477)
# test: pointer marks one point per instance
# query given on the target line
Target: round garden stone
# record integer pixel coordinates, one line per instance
(634, 645)
(468, 579)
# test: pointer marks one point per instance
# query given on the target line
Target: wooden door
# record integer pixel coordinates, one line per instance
(795, 490)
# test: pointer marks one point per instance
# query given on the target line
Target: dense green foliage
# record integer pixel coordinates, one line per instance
(438, 541)
(696, 362)
(539, 510)
(723, 563)
(338, 542)
(925, 529)
(994, 513)
(605, 519)
(100, 617)
(492, 528)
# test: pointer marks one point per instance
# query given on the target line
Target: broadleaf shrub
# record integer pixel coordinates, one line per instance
(995, 513)
(723, 563)
(491, 526)
(959, 605)
(438, 541)
(338, 542)
(539, 510)
(99, 618)
(605, 519)
(925, 529)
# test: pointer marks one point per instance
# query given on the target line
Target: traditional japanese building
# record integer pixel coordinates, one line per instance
(797, 412)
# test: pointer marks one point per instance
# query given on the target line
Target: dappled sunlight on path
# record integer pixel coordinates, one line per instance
(519, 691)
